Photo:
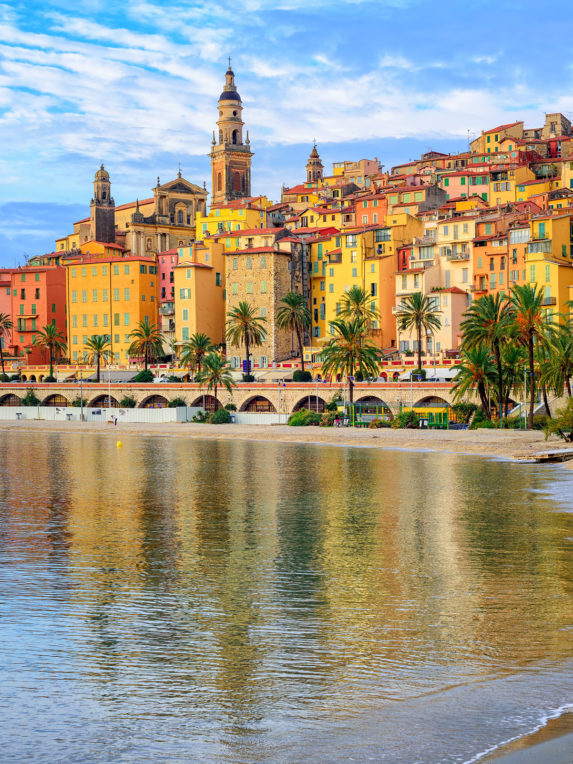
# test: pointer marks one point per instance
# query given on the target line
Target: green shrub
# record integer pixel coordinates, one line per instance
(231, 407)
(173, 378)
(77, 402)
(464, 411)
(482, 424)
(418, 375)
(4, 378)
(15, 378)
(406, 420)
(175, 403)
(561, 424)
(327, 419)
(248, 377)
(376, 424)
(201, 417)
(304, 418)
(127, 402)
(144, 376)
(30, 399)
(510, 424)
(221, 416)
(302, 376)
(540, 421)
(49, 379)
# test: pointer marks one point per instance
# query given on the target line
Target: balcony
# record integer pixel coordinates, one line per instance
(459, 256)
(335, 258)
(426, 241)
(167, 309)
(539, 245)
(549, 301)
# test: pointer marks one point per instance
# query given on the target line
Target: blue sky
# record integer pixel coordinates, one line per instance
(135, 85)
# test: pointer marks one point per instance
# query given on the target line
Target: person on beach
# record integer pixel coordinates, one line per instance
(337, 420)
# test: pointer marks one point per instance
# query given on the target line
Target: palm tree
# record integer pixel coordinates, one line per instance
(349, 353)
(5, 327)
(512, 370)
(245, 328)
(418, 312)
(51, 339)
(195, 349)
(356, 304)
(557, 369)
(529, 323)
(99, 348)
(216, 373)
(294, 315)
(476, 370)
(146, 341)
(489, 322)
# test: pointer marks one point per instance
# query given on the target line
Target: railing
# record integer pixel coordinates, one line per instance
(539, 245)
(165, 310)
(549, 301)
(335, 258)
(426, 240)
(459, 256)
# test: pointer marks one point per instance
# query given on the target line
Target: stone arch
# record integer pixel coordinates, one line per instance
(104, 402)
(23, 378)
(208, 402)
(396, 376)
(310, 402)
(32, 378)
(41, 377)
(154, 402)
(56, 399)
(258, 404)
(432, 400)
(10, 400)
(371, 404)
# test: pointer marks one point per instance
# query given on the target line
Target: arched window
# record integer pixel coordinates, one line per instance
(219, 182)
(235, 136)
(220, 136)
(236, 182)
(179, 217)
(148, 245)
(104, 195)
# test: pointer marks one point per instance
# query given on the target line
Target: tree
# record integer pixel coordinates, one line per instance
(146, 341)
(5, 328)
(557, 368)
(356, 303)
(245, 328)
(216, 373)
(489, 322)
(418, 312)
(562, 425)
(476, 370)
(99, 348)
(195, 349)
(52, 340)
(512, 360)
(529, 324)
(349, 352)
(294, 315)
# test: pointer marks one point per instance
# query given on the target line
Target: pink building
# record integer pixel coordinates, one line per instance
(166, 261)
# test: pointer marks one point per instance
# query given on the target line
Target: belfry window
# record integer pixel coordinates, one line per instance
(179, 217)
(235, 136)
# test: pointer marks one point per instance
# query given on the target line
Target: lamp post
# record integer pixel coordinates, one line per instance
(81, 397)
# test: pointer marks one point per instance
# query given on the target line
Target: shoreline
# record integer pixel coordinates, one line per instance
(551, 743)
(500, 444)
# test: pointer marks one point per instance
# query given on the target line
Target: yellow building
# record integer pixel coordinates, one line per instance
(489, 141)
(199, 292)
(108, 296)
(549, 259)
(234, 216)
(504, 182)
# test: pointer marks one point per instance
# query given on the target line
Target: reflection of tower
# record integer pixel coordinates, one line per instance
(314, 168)
(230, 157)
(102, 209)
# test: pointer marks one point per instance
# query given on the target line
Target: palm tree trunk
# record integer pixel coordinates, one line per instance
(545, 401)
(51, 362)
(497, 354)
(350, 390)
(248, 369)
(483, 399)
(216, 400)
(146, 351)
(531, 381)
(419, 346)
(300, 347)
(2, 359)
(568, 384)
(98, 369)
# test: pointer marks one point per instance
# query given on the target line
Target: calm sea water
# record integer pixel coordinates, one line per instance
(176, 601)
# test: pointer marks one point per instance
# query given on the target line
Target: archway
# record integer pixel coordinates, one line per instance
(55, 400)
(371, 404)
(432, 401)
(32, 378)
(258, 404)
(10, 400)
(310, 402)
(154, 402)
(208, 402)
(396, 376)
(24, 378)
(104, 402)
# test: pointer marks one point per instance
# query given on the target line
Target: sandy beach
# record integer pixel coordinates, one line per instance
(506, 444)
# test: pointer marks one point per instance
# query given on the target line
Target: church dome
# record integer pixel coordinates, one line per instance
(102, 174)
(229, 95)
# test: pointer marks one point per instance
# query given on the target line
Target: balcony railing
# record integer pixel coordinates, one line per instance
(167, 310)
(459, 256)
(549, 301)
(539, 245)
(335, 258)
(427, 240)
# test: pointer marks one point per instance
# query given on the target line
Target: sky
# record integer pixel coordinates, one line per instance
(135, 85)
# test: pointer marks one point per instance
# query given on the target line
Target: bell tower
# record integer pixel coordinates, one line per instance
(102, 209)
(230, 155)
(314, 167)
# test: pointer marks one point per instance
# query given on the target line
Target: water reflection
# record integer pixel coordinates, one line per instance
(228, 590)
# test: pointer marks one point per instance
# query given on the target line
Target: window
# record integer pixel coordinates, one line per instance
(184, 294)
(448, 279)
(263, 312)
(353, 256)
(126, 270)
(234, 288)
(373, 289)
(94, 295)
(185, 333)
(84, 295)
(116, 322)
(74, 295)
(185, 314)
(115, 295)
(249, 264)
(547, 273)
(331, 288)
(84, 272)
(217, 279)
(84, 319)
(355, 273)
(322, 286)
(351, 240)
(105, 319)
(446, 230)
(95, 319)
(126, 319)
(126, 293)
(74, 273)
(104, 270)
(116, 270)
(492, 281)
(249, 287)
(532, 273)
(116, 336)
(235, 263)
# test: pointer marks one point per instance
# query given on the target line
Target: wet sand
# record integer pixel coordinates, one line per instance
(553, 744)
(506, 444)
